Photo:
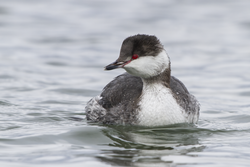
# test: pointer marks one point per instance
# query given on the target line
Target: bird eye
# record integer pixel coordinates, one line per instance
(135, 56)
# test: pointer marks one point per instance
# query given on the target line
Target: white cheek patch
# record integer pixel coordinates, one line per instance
(148, 66)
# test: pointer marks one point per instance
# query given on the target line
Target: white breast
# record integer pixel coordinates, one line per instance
(158, 107)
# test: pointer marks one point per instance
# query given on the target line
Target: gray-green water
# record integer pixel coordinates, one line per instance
(52, 54)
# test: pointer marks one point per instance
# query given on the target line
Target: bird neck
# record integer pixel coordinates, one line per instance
(163, 78)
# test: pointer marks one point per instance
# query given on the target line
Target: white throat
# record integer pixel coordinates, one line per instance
(149, 66)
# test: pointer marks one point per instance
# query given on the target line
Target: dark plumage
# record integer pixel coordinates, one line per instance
(142, 45)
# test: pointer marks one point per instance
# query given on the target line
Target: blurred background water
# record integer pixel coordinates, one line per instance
(52, 54)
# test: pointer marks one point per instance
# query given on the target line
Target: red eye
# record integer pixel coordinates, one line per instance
(135, 56)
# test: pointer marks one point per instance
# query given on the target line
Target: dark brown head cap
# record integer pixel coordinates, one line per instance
(142, 45)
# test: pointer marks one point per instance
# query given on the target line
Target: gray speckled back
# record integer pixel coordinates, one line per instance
(186, 100)
(120, 98)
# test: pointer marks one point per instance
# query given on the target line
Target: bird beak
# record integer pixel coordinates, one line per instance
(114, 65)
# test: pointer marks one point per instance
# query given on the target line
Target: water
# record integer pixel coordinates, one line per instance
(52, 54)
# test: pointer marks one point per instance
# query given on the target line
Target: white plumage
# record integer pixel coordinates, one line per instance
(158, 107)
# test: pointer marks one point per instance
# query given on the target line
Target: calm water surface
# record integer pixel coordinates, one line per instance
(52, 54)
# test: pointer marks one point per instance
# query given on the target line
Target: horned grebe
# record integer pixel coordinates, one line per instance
(146, 94)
